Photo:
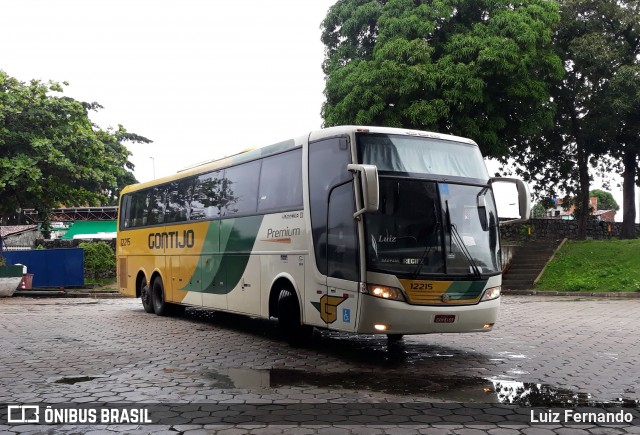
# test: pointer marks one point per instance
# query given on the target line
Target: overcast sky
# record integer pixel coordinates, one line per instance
(202, 79)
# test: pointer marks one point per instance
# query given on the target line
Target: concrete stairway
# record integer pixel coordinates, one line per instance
(527, 263)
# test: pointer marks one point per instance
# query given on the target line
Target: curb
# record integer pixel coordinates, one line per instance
(582, 294)
(68, 294)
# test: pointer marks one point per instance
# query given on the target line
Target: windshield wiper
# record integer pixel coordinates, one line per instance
(460, 242)
(425, 254)
(428, 247)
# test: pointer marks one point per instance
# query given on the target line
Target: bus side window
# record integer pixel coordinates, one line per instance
(136, 215)
(203, 196)
(125, 210)
(155, 206)
(239, 189)
(281, 182)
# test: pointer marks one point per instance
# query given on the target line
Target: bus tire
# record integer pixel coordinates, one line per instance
(157, 296)
(145, 296)
(289, 320)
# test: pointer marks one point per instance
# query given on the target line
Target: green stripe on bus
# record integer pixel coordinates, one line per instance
(226, 267)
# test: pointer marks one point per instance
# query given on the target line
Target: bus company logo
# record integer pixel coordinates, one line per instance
(281, 235)
(328, 307)
(172, 239)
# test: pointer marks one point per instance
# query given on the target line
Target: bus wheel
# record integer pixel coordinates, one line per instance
(394, 338)
(157, 297)
(289, 320)
(145, 296)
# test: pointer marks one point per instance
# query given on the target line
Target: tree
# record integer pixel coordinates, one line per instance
(52, 155)
(538, 210)
(604, 39)
(624, 103)
(606, 201)
(598, 105)
(477, 68)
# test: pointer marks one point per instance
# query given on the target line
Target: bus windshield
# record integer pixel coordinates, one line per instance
(422, 155)
(437, 214)
(429, 228)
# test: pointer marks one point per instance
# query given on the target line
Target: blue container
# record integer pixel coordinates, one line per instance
(51, 267)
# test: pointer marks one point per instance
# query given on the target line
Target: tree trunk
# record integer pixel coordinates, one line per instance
(628, 230)
(582, 205)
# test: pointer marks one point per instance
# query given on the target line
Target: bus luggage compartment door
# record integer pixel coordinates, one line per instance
(243, 283)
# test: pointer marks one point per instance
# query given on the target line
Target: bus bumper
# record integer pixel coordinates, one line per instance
(382, 316)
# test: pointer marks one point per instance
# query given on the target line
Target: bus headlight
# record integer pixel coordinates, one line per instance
(384, 292)
(491, 293)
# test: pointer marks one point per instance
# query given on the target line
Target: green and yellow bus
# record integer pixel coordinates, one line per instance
(360, 229)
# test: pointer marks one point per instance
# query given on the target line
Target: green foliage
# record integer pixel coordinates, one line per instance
(594, 265)
(598, 103)
(51, 153)
(525, 231)
(538, 210)
(477, 68)
(99, 259)
(606, 201)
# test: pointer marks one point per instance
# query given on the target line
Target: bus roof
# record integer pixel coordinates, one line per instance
(256, 153)
(348, 129)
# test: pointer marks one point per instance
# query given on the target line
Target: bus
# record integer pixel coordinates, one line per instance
(358, 229)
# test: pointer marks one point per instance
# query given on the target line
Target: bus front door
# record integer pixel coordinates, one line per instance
(342, 260)
(332, 205)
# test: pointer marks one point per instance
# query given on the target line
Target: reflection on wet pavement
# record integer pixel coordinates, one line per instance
(432, 387)
(404, 368)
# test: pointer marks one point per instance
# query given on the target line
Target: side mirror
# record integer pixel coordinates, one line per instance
(524, 197)
(370, 196)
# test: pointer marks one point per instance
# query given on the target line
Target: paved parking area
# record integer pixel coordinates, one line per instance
(544, 353)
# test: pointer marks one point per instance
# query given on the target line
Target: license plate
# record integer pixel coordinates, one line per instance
(444, 318)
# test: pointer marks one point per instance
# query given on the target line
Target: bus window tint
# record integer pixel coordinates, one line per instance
(155, 206)
(422, 155)
(239, 189)
(176, 202)
(125, 217)
(342, 246)
(138, 208)
(204, 196)
(281, 182)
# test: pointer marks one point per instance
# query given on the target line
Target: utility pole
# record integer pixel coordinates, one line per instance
(153, 162)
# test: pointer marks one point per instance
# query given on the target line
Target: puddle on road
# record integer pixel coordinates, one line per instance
(75, 380)
(436, 387)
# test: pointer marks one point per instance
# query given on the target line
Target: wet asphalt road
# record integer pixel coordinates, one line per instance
(544, 353)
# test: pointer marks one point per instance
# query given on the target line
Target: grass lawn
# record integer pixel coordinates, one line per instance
(594, 265)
